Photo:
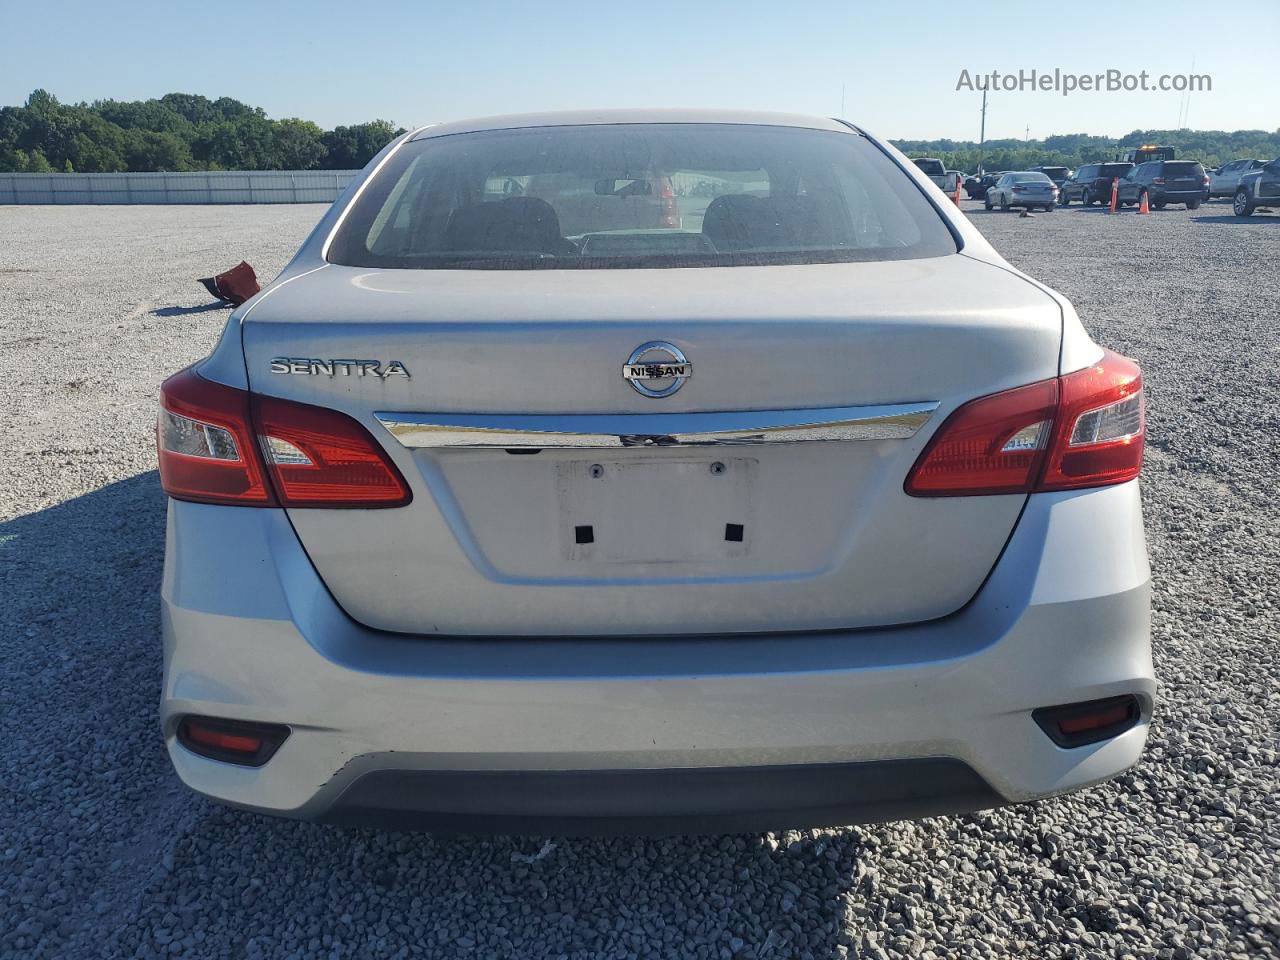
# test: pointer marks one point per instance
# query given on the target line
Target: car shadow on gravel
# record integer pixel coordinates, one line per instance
(92, 796)
(375, 893)
(1239, 221)
(184, 311)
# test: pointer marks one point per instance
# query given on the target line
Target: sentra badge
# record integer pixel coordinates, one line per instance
(311, 367)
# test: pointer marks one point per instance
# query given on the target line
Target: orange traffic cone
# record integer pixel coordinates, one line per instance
(956, 197)
(1143, 207)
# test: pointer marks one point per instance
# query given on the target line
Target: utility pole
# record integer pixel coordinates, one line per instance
(982, 132)
(1027, 135)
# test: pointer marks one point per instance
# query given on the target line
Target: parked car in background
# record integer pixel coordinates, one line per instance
(935, 171)
(1224, 180)
(976, 187)
(1091, 183)
(1148, 152)
(1258, 189)
(1059, 175)
(1164, 182)
(1023, 188)
(511, 565)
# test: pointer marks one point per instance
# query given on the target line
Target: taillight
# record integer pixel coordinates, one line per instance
(1100, 430)
(1159, 180)
(322, 458)
(1085, 429)
(205, 446)
(217, 444)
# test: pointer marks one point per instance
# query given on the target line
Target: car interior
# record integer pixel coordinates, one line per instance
(632, 197)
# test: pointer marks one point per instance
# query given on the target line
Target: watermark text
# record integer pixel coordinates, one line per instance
(1060, 81)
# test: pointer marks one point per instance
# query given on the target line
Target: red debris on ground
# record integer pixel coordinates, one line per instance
(235, 286)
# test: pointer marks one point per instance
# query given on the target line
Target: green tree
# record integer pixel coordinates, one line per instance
(298, 145)
(350, 148)
(37, 163)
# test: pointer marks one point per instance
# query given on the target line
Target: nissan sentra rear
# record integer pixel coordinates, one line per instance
(651, 471)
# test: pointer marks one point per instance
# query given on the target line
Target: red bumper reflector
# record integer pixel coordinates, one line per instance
(232, 741)
(1079, 724)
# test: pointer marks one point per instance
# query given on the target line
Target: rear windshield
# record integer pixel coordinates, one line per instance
(1115, 169)
(1182, 168)
(624, 195)
(932, 168)
(1030, 178)
(1054, 171)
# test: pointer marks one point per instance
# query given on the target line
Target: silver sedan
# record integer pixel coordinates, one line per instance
(717, 475)
(1029, 189)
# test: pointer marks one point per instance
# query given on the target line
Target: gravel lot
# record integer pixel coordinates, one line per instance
(103, 853)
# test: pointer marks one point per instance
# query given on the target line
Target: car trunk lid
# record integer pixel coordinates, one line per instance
(649, 526)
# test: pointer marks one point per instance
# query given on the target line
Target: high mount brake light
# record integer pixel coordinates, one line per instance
(217, 444)
(1085, 429)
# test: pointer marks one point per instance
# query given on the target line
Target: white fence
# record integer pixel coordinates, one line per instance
(231, 186)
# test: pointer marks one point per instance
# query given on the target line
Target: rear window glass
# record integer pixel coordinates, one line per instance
(1030, 178)
(1054, 171)
(932, 168)
(638, 195)
(1182, 168)
(1116, 169)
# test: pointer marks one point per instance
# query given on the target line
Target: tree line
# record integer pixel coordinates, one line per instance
(1210, 147)
(179, 131)
(183, 131)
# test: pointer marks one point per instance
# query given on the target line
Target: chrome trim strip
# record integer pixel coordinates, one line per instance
(515, 431)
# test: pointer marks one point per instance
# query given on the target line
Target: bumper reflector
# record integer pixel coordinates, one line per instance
(1079, 724)
(231, 741)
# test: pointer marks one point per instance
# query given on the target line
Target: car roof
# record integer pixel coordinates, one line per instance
(568, 118)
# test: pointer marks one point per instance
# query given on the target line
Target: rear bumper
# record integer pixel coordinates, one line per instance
(667, 733)
(644, 801)
(1177, 196)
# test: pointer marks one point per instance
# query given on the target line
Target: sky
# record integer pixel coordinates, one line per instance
(895, 66)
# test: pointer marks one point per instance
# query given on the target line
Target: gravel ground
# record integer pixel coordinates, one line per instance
(103, 853)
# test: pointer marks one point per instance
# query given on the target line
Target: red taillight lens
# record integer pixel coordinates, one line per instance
(221, 445)
(322, 458)
(1085, 429)
(205, 446)
(1101, 427)
(994, 444)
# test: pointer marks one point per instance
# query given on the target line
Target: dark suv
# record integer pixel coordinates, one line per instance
(1091, 183)
(1164, 182)
(1258, 188)
(1059, 175)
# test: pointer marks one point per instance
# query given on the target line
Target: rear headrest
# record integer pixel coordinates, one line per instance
(510, 225)
(742, 222)
(736, 222)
